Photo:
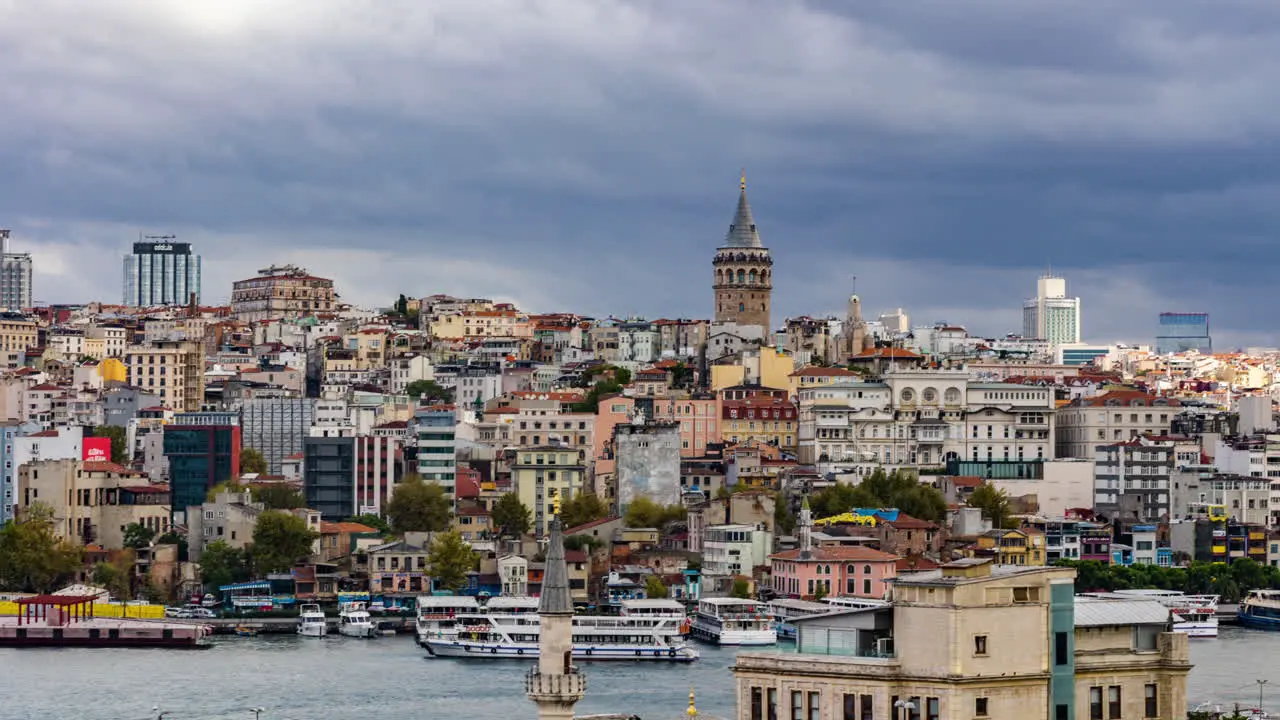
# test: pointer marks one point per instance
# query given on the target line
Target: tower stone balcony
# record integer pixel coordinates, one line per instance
(559, 688)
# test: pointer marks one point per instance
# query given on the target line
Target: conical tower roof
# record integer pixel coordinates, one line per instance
(555, 597)
(742, 233)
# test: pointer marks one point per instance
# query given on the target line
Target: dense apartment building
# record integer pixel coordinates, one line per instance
(173, 370)
(15, 277)
(1112, 417)
(93, 502)
(276, 426)
(924, 418)
(1132, 479)
(17, 332)
(437, 446)
(281, 291)
(544, 478)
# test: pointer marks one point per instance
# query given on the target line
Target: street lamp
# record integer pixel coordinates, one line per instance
(906, 707)
(257, 712)
(1260, 684)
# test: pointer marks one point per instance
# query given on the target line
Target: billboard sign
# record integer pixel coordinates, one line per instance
(161, 248)
(97, 449)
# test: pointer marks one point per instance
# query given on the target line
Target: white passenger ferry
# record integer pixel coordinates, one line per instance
(438, 615)
(784, 610)
(1195, 615)
(508, 627)
(733, 621)
(853, 603)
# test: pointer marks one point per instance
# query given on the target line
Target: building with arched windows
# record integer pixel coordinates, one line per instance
(743, 280)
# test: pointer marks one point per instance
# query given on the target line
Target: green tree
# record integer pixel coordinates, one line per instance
(418, 506)
(583, 508)
(119, 442)
(374, 521)
(402, 305)
(511, 517)
(722, 493)
(451, 558)
(585, 543)
(784, 520)
(226, 486)
(429, 391)
(655, 588)
(137, 535)
(994, 503)
(115, 575)
(900, 489)
(280, 539)
(278, 496)
(252, 462)
(644, 513)
(682, 376)
(741, 589)
(32, 558)
(820, 592)
(221, 564)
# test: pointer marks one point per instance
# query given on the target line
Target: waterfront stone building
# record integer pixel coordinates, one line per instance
(743, 271)
(976, 640)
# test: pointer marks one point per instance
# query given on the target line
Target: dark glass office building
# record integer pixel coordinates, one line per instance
(161, 272)
(1180, 332)
(203, 451)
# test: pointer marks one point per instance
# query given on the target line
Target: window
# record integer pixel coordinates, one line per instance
(757, 704)
(797, 705)
(979, 644)
(868, 708)
(1060, 713)
(932, 708)
(980, 707)
(850, 707)
(1061, 649)
(1113, 702)
(815, 706)
(1152, 702)
(773, 704)
(1095, 703)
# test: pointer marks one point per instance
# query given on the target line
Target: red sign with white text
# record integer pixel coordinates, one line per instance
(97, 449)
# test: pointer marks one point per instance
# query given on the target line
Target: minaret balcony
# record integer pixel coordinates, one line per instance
(555, 688)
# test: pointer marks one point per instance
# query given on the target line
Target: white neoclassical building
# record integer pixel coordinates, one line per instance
(922, 418)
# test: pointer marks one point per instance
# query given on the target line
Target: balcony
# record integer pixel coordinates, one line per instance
(553, 688)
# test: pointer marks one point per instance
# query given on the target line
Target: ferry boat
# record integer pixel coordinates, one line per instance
(784, 610)
(509, 627)
(1195, 615)
(311, 621)
(1260, 610)
(733, 621)
(437, 615)
(853, 603)
(354, 621)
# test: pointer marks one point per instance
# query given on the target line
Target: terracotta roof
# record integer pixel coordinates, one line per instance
(916, 564)
(45, 387)
(906, 522)
(966, 480)
(575, 556)
(843, 553)
(899, 353)
(588, 526)
(45, 433)
(104, 467)
(334, 528)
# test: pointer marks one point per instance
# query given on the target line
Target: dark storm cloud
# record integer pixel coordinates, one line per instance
(584, 155)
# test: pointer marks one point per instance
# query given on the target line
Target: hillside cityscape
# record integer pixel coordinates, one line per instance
(859, 486)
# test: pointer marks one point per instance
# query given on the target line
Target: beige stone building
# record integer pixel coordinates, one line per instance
(743, 279)
(1112, 417)
(172, 370)
(231, 518)
(973, 640)
(93, 502)
(17, 333)
(284, 291)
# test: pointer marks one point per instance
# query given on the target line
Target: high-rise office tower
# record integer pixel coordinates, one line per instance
(15, 277)
(1180, 332)
(161, 272)
(1051, 315)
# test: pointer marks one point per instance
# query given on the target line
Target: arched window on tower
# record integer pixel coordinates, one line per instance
(742, 307)
(742, 276)
(753, 277)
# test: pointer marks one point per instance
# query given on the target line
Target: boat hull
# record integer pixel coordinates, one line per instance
(357, 631)
(491, 651)
(1199, 628)
(313, 630)
(1258, 622)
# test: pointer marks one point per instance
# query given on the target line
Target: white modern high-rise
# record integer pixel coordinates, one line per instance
(15, 277)
(1051, 315)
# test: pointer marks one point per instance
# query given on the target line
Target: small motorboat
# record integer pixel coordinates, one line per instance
(246, 631)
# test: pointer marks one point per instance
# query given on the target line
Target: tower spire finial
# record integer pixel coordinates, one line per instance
(742, 179)
(692, 711)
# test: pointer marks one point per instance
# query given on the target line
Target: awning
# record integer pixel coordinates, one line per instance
(255, 585)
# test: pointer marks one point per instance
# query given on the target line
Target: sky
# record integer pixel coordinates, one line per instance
(584, 156)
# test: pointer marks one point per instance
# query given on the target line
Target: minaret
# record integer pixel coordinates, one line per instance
(806, 529)
(743, 280)
(555, 685)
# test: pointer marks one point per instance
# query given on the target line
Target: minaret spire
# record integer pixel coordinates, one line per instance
(806, 529)
(555, 685)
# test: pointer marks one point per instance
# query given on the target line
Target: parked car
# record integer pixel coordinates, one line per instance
(174, 612)
(201, 613)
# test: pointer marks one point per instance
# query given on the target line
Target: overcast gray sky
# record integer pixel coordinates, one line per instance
(584, 156)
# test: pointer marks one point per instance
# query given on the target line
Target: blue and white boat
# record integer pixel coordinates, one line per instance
(1260, 610)
(509, 627)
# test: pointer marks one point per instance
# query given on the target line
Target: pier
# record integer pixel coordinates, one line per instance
(284, 625)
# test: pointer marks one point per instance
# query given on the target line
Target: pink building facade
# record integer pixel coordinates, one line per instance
(699, 421)
(839, 571)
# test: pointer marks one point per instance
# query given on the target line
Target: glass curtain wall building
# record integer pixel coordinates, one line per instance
(1180, 332)
(161, 272)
